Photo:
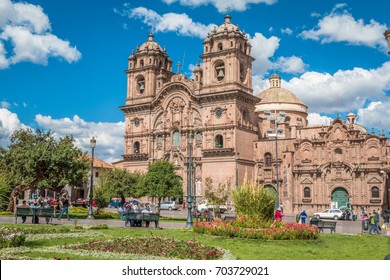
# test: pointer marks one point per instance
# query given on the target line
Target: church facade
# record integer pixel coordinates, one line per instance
(217, 119)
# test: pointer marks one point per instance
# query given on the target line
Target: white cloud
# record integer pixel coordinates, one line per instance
(109, 136)
(5, 104)
(235, 5)
(373, 115)
(316, 119)
(287, 31)
(262, 50)
(292, 64)
(28, 29)
(343, 91)
(9, 122)
(343, 27)
(180, 23)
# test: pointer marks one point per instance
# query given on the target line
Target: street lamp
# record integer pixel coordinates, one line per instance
(237, 154)
(90, 211)
(387, 36)
(189, 199)
(275, 134)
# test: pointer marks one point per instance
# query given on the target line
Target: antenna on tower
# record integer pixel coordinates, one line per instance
(184, 56)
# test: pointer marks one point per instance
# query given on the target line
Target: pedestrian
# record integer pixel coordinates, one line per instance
(65, 207)
(386, 217)
(35, 205)
(377, 217)
(373, 224)
(278, 215)
(303, 217)
(24, 205)
(281, 207)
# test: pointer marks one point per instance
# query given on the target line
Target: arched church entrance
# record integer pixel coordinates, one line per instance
(272, 190)
(340, 197)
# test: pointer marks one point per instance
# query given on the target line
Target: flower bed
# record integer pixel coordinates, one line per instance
(11, 237)
(154, 246)
(276, 231)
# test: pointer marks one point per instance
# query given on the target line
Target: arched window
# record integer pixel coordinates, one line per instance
(159, 139)
(220, 70)
(218, 141)
(268, 160)
(142, 63)
(136, 148)
(375, 192)
(141, 84)
(220, 47)
(306, 192)
(198, 136)
(176, 138)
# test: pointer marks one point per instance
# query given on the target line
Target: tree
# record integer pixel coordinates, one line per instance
(161, 181)
(218, 196)
(5, 191)
(254, 201)
(39, 161)
(119, 183)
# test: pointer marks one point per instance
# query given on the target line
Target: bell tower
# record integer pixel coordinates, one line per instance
(148, 67)
(227, 60)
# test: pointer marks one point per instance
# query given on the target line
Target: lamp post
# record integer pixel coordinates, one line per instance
(194, 188)
(387, 36)
(274, 134)
(90, 210)
(237, 154)
(189, 181)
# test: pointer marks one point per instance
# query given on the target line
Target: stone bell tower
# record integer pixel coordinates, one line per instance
(227, 61)
(148, 66)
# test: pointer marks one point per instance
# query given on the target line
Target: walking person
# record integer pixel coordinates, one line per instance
(65, 207)
(278, 214)
(377, 218)
(373, 224)
(303, 217)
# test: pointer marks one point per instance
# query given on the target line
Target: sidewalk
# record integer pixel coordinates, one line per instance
(84, 222)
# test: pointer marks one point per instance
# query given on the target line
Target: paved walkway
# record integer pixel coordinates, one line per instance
(347, 227)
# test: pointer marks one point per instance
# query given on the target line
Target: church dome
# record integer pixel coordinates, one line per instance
(150, 45)
(278, 96)
(224, 29)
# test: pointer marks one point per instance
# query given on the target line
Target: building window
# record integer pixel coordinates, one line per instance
(141, 84)
(268, 160)
(159, 139)
(375, 192)
(306, 192)
(136, 122)
(176, 138)
(142, 63)
(220, 70)
(96, 174)
(136, 148)
(220, 47)
(218, 112)
(218, 141)
(198, 136)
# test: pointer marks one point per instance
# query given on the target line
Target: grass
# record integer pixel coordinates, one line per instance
(327, 247)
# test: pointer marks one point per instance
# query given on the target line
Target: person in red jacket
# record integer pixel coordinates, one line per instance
(278, 214)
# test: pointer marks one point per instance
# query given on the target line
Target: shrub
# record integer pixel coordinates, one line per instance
(276, 231)
(254, 201)
(11, 237)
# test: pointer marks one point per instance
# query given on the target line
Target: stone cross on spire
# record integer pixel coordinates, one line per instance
(178, 67)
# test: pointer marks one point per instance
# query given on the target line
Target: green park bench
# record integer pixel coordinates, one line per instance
(142, 219)
(327, 225)
(34, 212)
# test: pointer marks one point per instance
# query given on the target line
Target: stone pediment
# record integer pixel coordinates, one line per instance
(374, 181)
(306, 181)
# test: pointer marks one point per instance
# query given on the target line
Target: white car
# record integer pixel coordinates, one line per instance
(204, 205)
(329, 214)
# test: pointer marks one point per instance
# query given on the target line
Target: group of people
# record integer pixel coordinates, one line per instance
(374, 218)
(132, 207)
(60, 204)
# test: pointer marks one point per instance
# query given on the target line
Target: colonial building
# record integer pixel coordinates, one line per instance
(215, 117)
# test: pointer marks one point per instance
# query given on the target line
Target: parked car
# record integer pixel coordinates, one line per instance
(204, 205)
(168, 205)
(330, 214)
(82, 202)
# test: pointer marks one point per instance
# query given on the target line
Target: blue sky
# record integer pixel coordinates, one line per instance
(62, 62)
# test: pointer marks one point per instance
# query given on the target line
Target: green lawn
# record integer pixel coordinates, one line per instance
(327, 247)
